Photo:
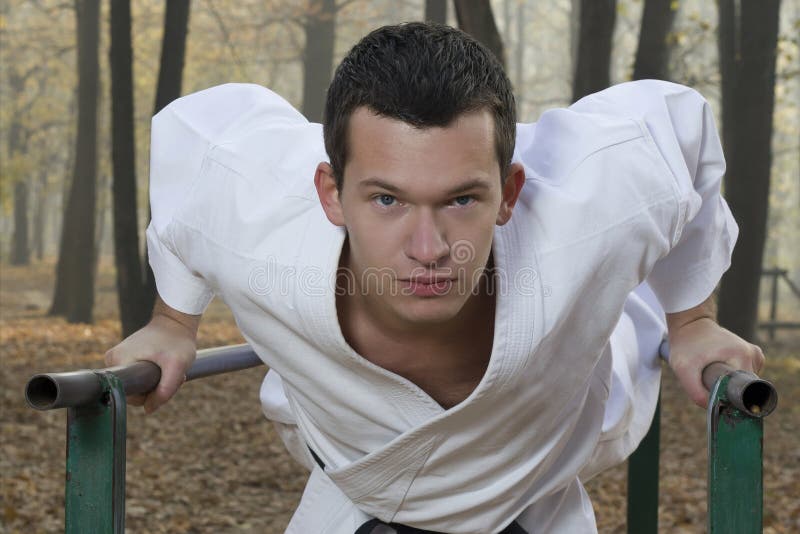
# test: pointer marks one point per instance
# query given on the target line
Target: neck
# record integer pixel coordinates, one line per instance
(360, 314)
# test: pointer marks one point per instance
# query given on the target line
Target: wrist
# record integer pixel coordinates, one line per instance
(172, 319)
(174, 326)
(702, 312)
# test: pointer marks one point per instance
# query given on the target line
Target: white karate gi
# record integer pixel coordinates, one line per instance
(621, 188)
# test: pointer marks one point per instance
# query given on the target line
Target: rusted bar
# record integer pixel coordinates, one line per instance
(49, 391)
(746, 391)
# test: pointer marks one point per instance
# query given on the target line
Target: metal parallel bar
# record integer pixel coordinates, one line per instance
(753, 399)
(96, 442)
(96, 430)
(62, 390)
(95, 479)
(735, 478)
(643, 480)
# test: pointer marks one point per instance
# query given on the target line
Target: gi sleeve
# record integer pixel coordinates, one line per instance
(176, 155)
(182, 136)
(682, 126)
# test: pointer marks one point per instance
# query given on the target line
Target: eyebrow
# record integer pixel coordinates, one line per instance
(475, 183)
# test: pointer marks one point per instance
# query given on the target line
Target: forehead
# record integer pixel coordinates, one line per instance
(394, 150)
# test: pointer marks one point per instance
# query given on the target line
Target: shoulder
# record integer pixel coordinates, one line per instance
(217, 112)
(640, 116)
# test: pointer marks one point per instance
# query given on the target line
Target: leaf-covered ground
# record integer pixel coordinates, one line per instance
(209, 461)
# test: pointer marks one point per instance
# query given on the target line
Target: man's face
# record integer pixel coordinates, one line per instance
(419, 206)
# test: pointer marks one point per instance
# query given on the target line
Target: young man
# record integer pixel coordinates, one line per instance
(437, 363)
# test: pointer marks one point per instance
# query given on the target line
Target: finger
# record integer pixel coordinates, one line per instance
(692, 382)
(700, 396)
(109, 358)
(759, 359)
(172, 376)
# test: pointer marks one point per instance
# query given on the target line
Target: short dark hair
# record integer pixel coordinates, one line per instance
(423, 74)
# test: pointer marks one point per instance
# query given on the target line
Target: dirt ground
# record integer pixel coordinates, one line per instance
(209, 461)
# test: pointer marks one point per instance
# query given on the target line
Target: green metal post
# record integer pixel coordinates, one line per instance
(735, 486)
(95, 485)
(643, 481)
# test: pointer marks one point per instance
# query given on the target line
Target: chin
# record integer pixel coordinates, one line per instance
(430, 311)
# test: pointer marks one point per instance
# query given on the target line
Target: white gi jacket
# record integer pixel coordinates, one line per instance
(621, 188)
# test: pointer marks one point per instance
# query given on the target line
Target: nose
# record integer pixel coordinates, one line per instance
(427, 244)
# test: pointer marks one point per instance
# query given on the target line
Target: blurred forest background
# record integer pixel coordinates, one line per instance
(79, 83)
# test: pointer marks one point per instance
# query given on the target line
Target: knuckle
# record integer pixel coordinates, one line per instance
(164, 392)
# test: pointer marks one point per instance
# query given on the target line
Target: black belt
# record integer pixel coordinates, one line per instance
(366, 528)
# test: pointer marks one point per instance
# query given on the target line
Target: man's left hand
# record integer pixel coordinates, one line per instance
(696, 340)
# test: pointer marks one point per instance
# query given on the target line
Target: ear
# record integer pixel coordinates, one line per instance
(512, 187)
(328, 193)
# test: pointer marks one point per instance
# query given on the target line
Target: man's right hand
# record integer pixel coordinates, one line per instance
(169, 341)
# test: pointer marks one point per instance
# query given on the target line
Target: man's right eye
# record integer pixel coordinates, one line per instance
(385, 200)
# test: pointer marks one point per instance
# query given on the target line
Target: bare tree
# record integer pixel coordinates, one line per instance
(597, 19)
(133, 309)
(20, 248)
(173, 52)
(40, 213)
(476, 18)
(170, 81)
(436, 11)
(520, 53)
(18, 136)
(652, 54)
(319, 27)
(748, 35)
(74, 290)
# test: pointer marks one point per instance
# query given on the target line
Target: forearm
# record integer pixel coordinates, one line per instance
(696, 340)
(162, 312)
(169, 340)
(705, 310)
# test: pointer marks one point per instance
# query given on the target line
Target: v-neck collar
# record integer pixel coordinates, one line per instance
(518, 298)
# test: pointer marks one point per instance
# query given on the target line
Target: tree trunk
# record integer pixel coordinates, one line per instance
(520, 59)
(39, 215)
(476, 18)
(652, 54)
(170, 77)
(75, 273)
(574, 33)
(597, 18)
(436, 11)
(133, 315)
(320, 30)
(20, 249)
(173, 52)
(748, 32)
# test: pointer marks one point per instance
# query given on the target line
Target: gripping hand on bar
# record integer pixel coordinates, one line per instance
(169, 340)
(696, 341)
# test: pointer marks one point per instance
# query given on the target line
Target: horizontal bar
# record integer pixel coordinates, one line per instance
(746, 391)
(49, 391)
(778, 324)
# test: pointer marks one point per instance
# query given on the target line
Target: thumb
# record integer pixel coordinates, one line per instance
(689, 373)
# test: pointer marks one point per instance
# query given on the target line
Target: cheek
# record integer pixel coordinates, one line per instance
(371, 244)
